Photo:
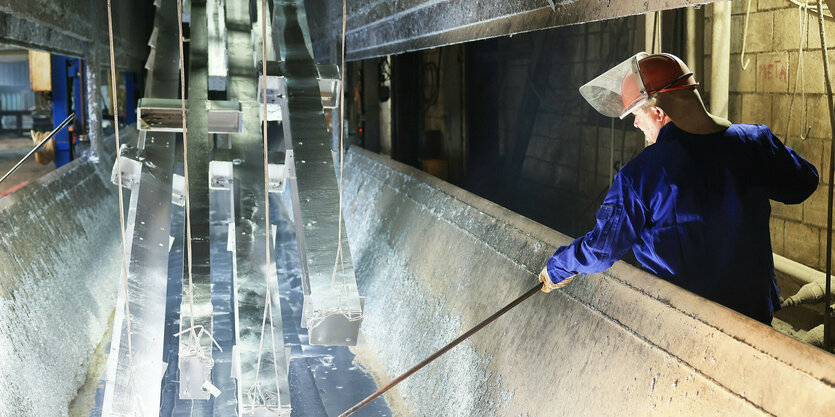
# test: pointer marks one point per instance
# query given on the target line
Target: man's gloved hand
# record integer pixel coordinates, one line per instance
(548, 285)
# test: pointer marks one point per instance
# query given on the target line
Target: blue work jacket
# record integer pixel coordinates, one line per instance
(695, 210)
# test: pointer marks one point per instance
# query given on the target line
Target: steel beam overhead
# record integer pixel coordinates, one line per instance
(195, 362)
(270, 395)
(148, 243)
(332, 305)
(378, 28)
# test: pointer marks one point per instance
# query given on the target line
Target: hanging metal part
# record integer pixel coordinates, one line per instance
(195, 353)
(148, 232)
(248, 238)
(218, 61)
(148, 225)
(63, 124)
(332, 305)
(443, 350)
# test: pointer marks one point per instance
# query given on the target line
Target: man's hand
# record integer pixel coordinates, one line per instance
(548, 285)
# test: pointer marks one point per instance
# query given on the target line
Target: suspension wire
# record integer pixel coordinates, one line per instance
(268, 308)
(344, 293)
(113, 93)
(742, 61)
(193, 332)
(803, 22)
(827, 330)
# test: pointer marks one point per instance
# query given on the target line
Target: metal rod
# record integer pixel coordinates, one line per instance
(827, 331)
(38, 146)
(443, 350)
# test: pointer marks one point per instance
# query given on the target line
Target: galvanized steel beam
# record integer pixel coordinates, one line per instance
(377, 28)
(332, 305)
(218, 71)
(195, 363)
(148, 244)
(250, 264)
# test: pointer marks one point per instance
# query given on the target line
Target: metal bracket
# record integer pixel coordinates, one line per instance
(193, 376)
(220, 175)
(165, 115)
(129, 158)
(178, 190)
(277, 169)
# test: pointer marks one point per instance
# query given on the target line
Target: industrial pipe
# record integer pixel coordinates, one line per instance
(720, 59)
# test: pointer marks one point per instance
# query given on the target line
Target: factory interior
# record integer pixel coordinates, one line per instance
(323, 208)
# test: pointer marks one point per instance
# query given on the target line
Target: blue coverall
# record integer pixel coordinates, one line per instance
(695, 210)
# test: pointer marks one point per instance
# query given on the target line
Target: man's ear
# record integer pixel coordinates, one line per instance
(658, 114)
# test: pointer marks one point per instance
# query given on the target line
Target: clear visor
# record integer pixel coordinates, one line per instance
(604, 92)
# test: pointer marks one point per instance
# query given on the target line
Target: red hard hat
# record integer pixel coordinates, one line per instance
(659, 73)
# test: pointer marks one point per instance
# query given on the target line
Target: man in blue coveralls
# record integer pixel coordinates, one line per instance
(693, 206)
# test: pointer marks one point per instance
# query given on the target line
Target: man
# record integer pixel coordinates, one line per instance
(693, 206)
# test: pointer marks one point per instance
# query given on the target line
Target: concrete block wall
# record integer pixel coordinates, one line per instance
(572, 151)
(768, 91)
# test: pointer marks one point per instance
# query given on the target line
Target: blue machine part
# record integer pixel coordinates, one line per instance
(67, 96)
(131, 85)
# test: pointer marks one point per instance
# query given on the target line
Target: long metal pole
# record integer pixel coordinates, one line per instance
(443, 350)
(38, 146)
(827, 331)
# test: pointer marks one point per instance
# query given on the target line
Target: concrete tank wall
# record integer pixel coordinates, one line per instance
(59, 271)
(433, 260)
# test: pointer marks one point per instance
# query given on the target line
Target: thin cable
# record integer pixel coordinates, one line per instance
(194, 337)
(121, 193)
(344, 294)
(744, 62)
(804, 28)
(268, 309)
(827, 336)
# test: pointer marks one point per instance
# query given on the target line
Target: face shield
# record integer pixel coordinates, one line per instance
(618, 91)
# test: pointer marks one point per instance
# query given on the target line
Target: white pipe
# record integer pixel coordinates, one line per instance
(797, 270)
(720, 59)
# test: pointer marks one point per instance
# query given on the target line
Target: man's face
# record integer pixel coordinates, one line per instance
(650, 120)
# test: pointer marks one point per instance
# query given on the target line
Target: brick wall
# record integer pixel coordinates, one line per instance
(762, 93)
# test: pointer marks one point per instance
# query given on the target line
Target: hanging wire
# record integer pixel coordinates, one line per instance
(192, 330)
(742, 61)
(805, 129)
(121, 195)
(343, 296)
(257, 393)
(813, 7)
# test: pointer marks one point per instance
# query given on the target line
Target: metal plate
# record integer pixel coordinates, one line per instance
(250, 233)
(198, 191)
(148, 222)
(314, 188)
